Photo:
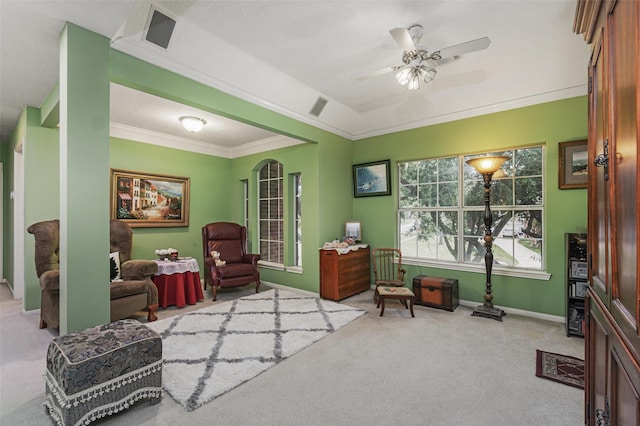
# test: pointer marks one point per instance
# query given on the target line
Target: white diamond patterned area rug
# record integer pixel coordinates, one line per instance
(212, 350)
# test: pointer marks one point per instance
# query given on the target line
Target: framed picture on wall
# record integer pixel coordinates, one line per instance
(371, 179)
(573, 164)
(149, 200)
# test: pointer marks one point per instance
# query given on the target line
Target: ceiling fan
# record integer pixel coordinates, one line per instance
(419, 64)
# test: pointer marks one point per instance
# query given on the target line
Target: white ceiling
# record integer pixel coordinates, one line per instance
(283, 55)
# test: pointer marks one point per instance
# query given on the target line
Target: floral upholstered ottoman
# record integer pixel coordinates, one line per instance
(102, 370)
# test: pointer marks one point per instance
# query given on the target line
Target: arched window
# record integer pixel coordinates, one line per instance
(270, 212)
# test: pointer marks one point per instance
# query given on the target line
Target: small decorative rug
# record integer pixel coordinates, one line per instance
(560, 368)
(214, 349)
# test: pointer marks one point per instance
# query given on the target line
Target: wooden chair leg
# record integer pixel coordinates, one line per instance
(381, 303)
(152, 312)
(257, 286)
(214, 292)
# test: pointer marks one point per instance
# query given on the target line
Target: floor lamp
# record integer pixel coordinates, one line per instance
(487, 166)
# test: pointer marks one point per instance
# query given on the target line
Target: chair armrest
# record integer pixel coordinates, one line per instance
(138, 269)
(50, 280)
(251, 258)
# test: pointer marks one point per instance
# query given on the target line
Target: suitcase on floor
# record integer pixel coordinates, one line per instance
(436, 292)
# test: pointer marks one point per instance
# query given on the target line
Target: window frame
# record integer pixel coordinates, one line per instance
(268, 261)
(459, 264)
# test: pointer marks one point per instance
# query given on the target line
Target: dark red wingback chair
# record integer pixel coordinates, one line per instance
(230, 240)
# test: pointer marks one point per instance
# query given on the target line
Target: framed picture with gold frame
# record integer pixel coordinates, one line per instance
(573, 164)
(149, 200)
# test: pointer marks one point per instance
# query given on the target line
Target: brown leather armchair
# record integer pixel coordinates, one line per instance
(230, 240)
(134, 293)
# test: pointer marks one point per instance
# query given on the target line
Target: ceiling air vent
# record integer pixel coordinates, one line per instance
(160, 29)
(318, 106)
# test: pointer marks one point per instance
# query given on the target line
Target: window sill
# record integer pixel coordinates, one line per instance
(480, 268)
(271, 265)
(294, 269)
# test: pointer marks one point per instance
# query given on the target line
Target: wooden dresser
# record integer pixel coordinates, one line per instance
(343, 275)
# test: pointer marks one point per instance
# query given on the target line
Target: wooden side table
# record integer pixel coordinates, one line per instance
(399, 293)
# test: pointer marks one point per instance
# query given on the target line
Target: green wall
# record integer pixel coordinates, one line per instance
(210, 191)
(325, 164)
(547, 124)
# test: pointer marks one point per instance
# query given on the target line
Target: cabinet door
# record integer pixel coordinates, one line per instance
(597, 347)
(624, 44)
(598, 188)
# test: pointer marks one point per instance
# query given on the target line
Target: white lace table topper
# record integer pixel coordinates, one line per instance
(180, 266)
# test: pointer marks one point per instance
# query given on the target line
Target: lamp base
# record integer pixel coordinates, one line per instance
(488, 312)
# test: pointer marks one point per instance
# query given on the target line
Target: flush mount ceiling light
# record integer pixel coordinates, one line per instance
(192, 124)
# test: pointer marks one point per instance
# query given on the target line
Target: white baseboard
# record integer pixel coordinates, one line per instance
(530, 314)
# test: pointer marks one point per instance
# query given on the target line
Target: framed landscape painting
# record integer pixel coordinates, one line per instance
(573, 164)
(149, 200)
(370, 179)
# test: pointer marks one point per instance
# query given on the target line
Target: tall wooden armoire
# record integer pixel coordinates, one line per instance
(612, 341)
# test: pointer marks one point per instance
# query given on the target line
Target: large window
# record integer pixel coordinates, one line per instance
(270, 212)
(297, 218)
(441, 210)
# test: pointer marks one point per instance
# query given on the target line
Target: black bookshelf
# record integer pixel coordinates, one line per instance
(577, 282)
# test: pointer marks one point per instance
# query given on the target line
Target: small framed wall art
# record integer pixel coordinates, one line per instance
(371, 179)
(573, 164)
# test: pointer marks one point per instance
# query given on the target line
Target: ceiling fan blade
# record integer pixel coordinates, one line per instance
(403, 38)
(466, 47)
(379, 72)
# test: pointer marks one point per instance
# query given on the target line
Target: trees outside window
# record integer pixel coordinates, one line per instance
(441, 210)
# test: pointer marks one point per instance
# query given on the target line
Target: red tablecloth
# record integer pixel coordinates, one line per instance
(178, 289)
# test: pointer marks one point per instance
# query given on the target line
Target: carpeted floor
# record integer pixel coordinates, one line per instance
(439, 368)
(212, 350)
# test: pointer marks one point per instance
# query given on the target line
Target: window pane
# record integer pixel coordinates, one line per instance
(528, 161)
(264, 189)
(473, 222)
(473, 193)
(408, 196)
(529, 191)
(409, 172)
(501, 192)
(428, 195)
(448, 169)
(448, 194)
(428, 171)
(448, 222)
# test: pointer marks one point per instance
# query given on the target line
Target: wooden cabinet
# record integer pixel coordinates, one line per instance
(343, 275)
(576, 280)
(613, 298)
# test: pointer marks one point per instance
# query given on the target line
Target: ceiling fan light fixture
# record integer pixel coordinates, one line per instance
(427, 73)
(414, 81)
(404, 75)
(192, 124)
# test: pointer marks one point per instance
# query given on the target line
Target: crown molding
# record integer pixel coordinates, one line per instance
(151, 137)
(556, 95)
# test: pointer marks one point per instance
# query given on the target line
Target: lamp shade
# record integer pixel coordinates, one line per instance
(486, 165)
(192, 124)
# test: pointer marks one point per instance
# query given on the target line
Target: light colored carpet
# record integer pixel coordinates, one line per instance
(457, 370)
(212, 350)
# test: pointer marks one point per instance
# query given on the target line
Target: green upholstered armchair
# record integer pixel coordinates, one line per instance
(135, 292)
